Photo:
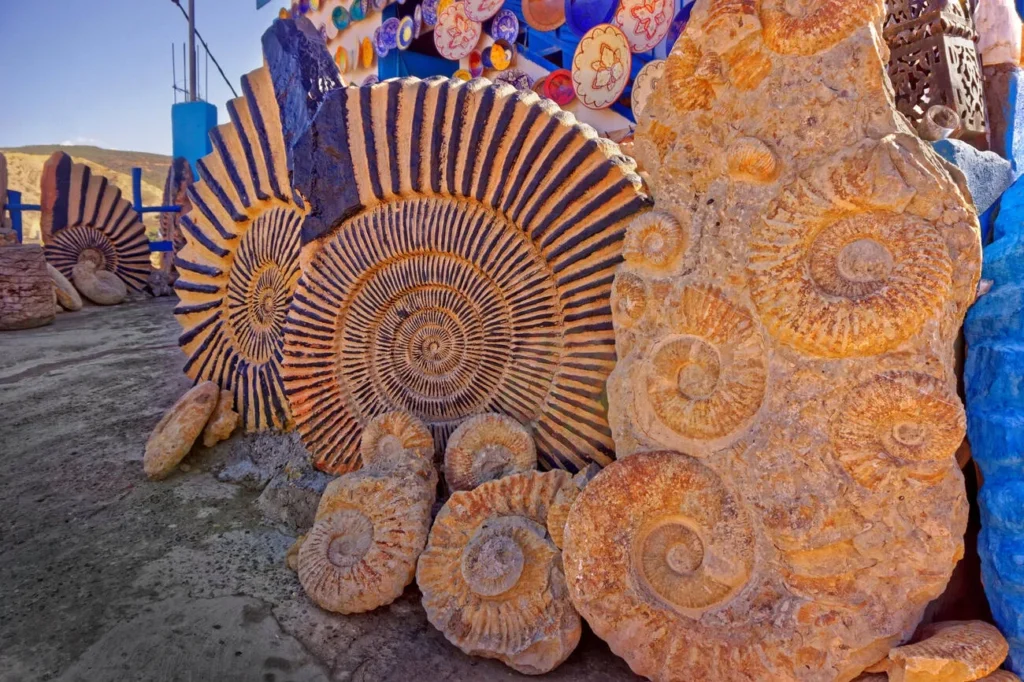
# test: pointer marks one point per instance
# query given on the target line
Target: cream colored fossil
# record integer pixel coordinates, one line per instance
(362, 549)
(558, 512)
(222, 422)
(398, 443)
(956, 650)
(491, 578)
(487, 447)
(177, 431)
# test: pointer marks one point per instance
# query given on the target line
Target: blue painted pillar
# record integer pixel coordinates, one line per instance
(388, 66)
(14, 199)
(191, 123)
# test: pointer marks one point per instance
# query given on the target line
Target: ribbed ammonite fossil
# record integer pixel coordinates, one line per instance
(240, 263)
(85, 218)
(465, 236)
(486, 447)
(492, 579)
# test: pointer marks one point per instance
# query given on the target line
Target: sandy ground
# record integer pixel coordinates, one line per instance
(107, 576)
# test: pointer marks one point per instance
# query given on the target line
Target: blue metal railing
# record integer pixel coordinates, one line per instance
(16, 208)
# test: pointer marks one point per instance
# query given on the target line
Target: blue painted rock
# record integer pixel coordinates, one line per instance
(994, 382)
(84, 217)
(464, 237)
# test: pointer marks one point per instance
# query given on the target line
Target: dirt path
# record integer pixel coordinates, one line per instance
(106, 576)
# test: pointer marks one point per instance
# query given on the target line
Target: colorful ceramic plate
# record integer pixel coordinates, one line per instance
(505, 26)
(583, 15)
(417, 21)
(462, 75)
(442, 5)
(341, 59)
(371, 79)
(340, 18)
(544, 15)
(429, 12)
(389, 32)
(678, 24)
(643, 85)
(499, 55)
(456, 35)
(357, 12)
(379, 46)
(314, 5)
(476, 63)
(482, 10)
(406, 33)
(645, 22)
(558, 87)
(303, 6)
(366, 53)
(600, 66)
(515, 78)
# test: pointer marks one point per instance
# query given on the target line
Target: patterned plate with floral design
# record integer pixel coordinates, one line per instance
(456, 35)
(600, 66)
(645, 22)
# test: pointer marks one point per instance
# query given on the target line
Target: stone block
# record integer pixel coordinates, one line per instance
(988, 175)
(26, 290)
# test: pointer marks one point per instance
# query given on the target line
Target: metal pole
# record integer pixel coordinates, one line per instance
(191, 50)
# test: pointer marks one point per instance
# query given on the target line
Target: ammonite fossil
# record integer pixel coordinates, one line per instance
(491, 578)
(953, 650)
(486, 447)
(655, 241)
(238, 268)
(680, 544)
(558, 512)
(466, 237)
(85, 218)
(397, 441)
(811, 26)
(363, 547)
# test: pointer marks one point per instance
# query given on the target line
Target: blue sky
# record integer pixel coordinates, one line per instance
(99, 71)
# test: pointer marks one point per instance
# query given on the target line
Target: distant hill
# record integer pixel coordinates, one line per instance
(25, 168)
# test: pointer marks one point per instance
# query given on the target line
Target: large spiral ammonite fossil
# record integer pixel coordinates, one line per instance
(85, 218)
(240, 263)
(467, 240)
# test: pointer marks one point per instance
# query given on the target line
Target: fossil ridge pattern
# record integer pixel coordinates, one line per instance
(238, 268)
(84, 217)
(784, 321)
(463, 238)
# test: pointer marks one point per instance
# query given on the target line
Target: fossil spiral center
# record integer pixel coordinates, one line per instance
(94, 256)
(389, 446)
(864, 261)
(352, 540)
(699, 372)
(910, 434)
(687, 554)
(654, 246)
(492, 563)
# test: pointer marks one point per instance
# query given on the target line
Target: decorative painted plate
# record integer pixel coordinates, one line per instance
(600, 66)
(379, 45)
(417, 21)
(476, 64)
(456, 35)
(429, 12)
(643, 85)
(516, 78)
(544, 15)
(379, 5)
(482, 10)
(357, 12)
(442, 5)
(539, 84)
(499, 55)
(389, 32)
(341, 59)
(371, 79)
(303, 6)
(678, 24)
(366, 53)
(462, 75)
(645, 22)
(314, 5)
(558, 87)
(583, 15)
(406, 33)
(340, 18)
(505, 26)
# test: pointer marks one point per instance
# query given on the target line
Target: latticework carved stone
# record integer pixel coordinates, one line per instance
(467, 235)
(238, 268)
(176, 188)
(84, 217)
(785, 317)
(933, 60)
(26, 290)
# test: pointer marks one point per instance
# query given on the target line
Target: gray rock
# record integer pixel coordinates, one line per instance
(988, 174)
(292, 495)
(253, 459)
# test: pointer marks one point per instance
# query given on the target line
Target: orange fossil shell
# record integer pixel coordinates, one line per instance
(222, 422)
(395, 441)
(902, 421)
(491, 578)
(707, 379)
(629, 299)
(487, 447)
(691, 76)
(751, 160)
(655, 241)
(834, 274)
(176, 433)
(823, 24)
(363, 547)
(680, 544)
(558, 513)
(956, 650)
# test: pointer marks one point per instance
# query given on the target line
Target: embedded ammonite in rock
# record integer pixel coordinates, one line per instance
(85, 219)
(363, 547)
(805, 27)
(898, 421)
(486, 447)
(239, 265)
(466, 237)
(650, 576)
(491, 578)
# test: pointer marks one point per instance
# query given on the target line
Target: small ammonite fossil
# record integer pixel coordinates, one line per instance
(491, 578)
(363, 547)
(397, 443)
(487, 447)
(655, 241)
